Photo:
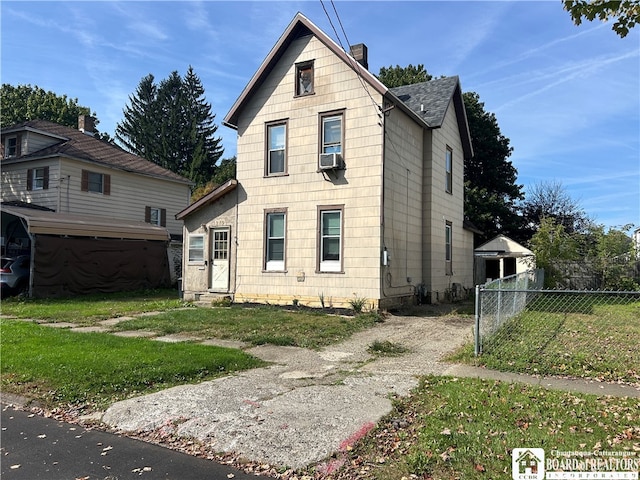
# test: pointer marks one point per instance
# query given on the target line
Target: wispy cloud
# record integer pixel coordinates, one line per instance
(550, 78)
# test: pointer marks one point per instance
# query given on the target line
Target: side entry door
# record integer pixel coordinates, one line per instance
(220, 260)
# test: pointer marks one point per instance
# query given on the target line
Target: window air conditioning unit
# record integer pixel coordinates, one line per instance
(329, 161)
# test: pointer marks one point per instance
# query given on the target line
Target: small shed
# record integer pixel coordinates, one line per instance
(501, 257)
(77, 254)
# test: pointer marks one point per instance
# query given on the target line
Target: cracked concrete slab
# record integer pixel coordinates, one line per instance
(307, 404)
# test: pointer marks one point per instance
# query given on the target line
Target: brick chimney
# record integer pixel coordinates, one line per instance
(86, 124)
(360, 53)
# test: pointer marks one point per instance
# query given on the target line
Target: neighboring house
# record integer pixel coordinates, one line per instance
(345, 189)
(67, 177)
(501, 257)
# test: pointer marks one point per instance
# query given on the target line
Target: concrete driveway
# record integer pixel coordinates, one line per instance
(308, 404)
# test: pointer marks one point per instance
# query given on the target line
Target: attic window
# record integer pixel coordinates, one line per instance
(304, 78)
(11, 149)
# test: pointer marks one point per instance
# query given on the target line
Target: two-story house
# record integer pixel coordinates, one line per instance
(91, 216)
(345, 189)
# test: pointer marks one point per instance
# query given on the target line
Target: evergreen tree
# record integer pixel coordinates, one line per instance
(206, 148)
(137, 132)
(172, 125)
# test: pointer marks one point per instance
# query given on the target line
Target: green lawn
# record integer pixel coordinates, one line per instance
(455, 428)
(59, 366)
(598, 340)
(88, 309)
(94, 369)
(256, 325)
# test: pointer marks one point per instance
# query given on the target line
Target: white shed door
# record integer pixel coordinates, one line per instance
(220, 260)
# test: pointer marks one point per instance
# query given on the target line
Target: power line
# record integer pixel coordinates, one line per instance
(355, 66)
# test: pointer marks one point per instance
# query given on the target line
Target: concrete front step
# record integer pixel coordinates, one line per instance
(211, 298)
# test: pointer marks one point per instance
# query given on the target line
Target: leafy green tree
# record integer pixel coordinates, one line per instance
(24, 103)
(225, 171)
(615, 258)
(626, 13)
(552, 247)
(549, 199)
(172, 125)
(398, 76)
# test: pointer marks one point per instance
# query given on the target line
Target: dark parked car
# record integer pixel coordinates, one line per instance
(14, 275)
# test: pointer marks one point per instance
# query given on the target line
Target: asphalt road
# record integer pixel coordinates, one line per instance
(34, 447)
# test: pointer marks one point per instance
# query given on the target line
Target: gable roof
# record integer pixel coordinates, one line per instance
(77, 145)
(299, 27)
(436, 96)
(502, 245)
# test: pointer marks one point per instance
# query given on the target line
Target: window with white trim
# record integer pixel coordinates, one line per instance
(331, 133)
(38, 178)
(276, 162)
(196, 248)
(330, 239)
(275, 240)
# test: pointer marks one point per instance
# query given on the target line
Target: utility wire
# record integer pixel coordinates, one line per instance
(355, 66)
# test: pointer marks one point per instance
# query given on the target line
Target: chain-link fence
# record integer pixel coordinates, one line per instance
(592, 334)
(505, 298)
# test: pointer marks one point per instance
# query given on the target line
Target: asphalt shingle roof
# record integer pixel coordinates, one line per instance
(81, 146)
(435, 95)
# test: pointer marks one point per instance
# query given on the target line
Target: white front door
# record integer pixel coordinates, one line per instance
(220, 260)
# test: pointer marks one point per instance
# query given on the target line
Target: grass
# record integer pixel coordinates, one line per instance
(88, 309)
(452, 428)
(385, 348)
(95, 369)
(596, 340)
(257, 325)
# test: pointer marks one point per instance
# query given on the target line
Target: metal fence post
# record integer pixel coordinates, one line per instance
(477, 321)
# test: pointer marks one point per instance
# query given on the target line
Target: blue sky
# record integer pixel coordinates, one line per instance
(567, 97)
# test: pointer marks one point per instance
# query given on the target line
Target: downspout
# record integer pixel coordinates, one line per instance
(382, 198)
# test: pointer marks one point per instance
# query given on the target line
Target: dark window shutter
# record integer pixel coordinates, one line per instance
(30, 179)
(45, 183)
(106, 187)
(147, 214)
(84, 183)
(163, 217)
(18, 145)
